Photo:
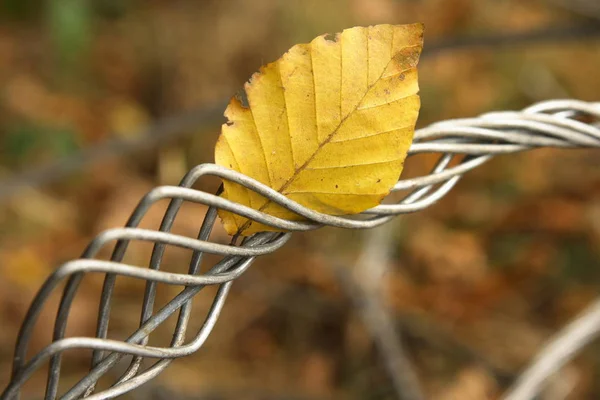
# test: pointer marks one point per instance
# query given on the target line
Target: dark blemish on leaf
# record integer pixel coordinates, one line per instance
(281, 114)
(378, 180)
(336, 186)
(230, 166)
(330, 37)
(401, 76)
(242, 97)
(387, 91)
(229, 123)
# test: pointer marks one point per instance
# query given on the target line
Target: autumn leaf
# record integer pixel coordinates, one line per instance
(328, 125)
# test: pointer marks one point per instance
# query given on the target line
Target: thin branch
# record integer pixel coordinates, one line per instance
(160, 133)
(557, 352)
(585, 8)
(582, 31)
(364, 288)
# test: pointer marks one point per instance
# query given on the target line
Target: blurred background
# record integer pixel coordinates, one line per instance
(102, 100)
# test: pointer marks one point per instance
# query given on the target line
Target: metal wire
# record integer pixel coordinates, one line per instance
(472, 141)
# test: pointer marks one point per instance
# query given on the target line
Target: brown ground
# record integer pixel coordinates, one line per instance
(476, 283)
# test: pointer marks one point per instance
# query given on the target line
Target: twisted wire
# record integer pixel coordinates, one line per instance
(471, 141)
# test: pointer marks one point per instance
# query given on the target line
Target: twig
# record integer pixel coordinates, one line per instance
(559, 350)
(585, 8)
(364, 289)
(163, 131)
(582, 31)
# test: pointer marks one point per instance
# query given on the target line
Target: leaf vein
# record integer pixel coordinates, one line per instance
(287, 116)
(368, 65)
(340, 193)
(312, 67)
(370, 136)
(385, 104)
(238, 164)
(260, 143)
(355, 165)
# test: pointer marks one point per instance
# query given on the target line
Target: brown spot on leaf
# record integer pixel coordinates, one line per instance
(242, 97)
(330, 37)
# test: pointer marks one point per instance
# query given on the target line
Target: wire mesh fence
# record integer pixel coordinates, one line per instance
(462, 144)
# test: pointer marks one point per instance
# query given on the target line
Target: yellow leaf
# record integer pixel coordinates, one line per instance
(328, 125)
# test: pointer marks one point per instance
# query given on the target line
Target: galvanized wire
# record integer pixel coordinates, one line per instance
(472, 142)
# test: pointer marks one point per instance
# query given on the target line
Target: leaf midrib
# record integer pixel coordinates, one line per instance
(329, 137)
